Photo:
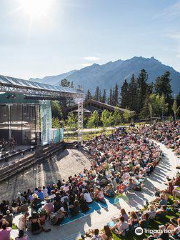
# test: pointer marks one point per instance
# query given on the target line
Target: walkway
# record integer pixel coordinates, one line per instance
(103, 214)
(69, 162)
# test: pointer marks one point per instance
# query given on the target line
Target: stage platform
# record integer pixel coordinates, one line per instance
(22, 159)
(17, 153)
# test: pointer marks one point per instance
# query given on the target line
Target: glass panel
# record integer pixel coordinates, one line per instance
(26, 83)
(4, 80)
(13, 81)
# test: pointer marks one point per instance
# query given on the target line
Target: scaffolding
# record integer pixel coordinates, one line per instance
(80, 115)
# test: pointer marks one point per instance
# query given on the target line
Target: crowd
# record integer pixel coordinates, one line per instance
(168, 133)
(162, 206)
(120, 163)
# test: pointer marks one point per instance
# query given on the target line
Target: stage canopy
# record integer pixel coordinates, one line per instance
(30, 88)
(21, 92)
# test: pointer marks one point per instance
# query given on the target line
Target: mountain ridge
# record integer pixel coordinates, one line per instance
(54, 78)
(110, 73)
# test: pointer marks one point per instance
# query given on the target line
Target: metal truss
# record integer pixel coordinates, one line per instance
(38, 92)
(80, 115)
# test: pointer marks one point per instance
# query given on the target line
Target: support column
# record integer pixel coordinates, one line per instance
(9, 121)
(38, 125)
(22, 128)
(80, 116)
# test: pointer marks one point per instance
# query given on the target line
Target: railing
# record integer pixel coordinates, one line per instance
(22, 164)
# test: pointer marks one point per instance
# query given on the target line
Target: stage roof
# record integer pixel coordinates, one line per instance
(15, 85)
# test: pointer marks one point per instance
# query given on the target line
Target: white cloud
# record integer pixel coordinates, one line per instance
(86, 64)
(92, 59)
(174, 35)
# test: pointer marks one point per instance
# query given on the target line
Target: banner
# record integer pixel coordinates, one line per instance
(58, 135)
(46, 122)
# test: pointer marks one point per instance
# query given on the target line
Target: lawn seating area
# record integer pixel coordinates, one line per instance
(168, 219)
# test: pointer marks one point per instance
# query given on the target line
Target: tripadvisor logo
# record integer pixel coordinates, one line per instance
(138, 231)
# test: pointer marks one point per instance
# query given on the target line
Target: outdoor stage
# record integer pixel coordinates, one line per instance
(18, 152)
(26, 134)
(26, 116)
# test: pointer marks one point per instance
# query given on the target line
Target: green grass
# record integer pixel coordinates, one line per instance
(70, 137)
(154, 225)
(14, 227)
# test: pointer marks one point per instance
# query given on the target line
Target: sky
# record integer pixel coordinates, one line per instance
(48, 37)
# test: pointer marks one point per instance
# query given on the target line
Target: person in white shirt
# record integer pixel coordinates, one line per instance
(87, 197)
(177, 229)
(122, 226)
(99, 195)
(66, 187)
(45, 191)
(22, 222)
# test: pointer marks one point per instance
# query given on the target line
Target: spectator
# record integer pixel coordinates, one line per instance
(5, 232)
(96, 236)
(23, 222)
(107, 235)
(87, 197)
(9, 217)
(21, 236)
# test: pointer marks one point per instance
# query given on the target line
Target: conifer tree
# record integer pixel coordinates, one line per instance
(97, 94)
(110, 97)
(125, 94)
(116, 93)
(163, 86)
(88, 95)
(104, 96)
(142, 87)
(133, 94)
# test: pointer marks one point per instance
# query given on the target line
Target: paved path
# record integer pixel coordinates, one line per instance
(135, 200)
(69, 162)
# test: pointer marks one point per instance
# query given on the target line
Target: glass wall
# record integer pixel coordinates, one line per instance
(19, 122)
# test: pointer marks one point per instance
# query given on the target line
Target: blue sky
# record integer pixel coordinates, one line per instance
(71, 34)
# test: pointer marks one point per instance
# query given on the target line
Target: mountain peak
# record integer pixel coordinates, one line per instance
(94, 65)
(110, 73)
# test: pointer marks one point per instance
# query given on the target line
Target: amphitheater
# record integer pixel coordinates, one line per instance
(72, 161)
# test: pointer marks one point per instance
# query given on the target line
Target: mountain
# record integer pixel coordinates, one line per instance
(54, 80)
(107, 75)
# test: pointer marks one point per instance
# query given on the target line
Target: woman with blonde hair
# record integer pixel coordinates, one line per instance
(152, 212)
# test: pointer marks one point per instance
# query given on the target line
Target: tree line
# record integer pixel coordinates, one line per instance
(146, 99)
